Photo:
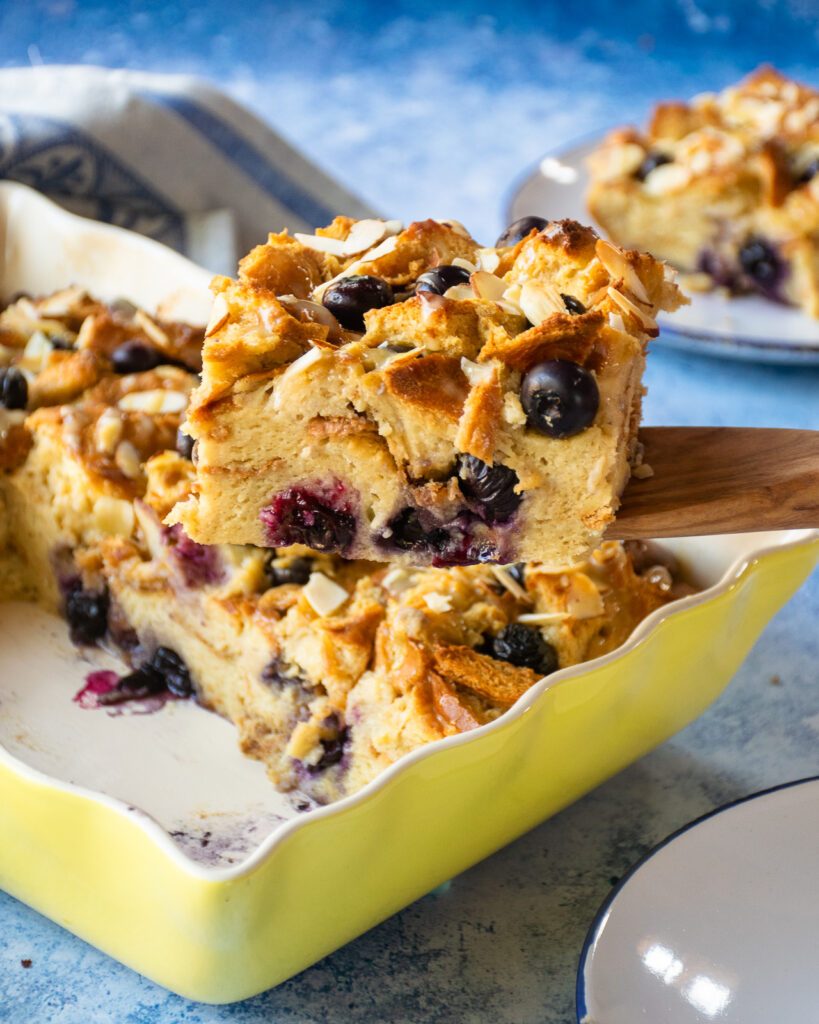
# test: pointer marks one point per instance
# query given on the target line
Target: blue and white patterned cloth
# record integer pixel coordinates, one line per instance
(169, 156)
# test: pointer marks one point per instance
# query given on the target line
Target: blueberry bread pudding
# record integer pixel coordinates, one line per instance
(405, 394)
(724, 187)
(331, 669)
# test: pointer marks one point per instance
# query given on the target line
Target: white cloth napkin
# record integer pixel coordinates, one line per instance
(169, 156)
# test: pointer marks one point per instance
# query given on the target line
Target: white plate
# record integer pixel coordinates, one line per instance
(718, 923)
(748, 327)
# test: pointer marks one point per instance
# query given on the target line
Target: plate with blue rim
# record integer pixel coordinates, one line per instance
(717, 923)
(746, 327)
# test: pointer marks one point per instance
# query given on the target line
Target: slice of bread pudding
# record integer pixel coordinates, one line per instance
(330, 669)
(405, 394)
(725, 187)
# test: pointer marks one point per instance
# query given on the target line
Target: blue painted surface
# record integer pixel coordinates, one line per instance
(433, 113)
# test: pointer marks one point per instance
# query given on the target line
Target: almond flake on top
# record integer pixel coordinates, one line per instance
(323, 594)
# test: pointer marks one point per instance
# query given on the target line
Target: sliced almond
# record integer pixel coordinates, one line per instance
(542, 618)
(667, 178)
(323, 594)
(127, 460)
(487, 286)
(219, 315)
(35, 354)
(363, 235)
(457, 227)
(398, 580)
(367, 233)
(108, 431)
(628, 306)
(61, 303)
(619, 267)
(385, 247)
(382, 249)
(459, 261)
(489, 260)
(152, 329)
(477, 373)
(438, 602)
(154, 401)
(504, 577)
(306, 309)
(583, 600)
(539, 301)
(459, 292)
(321, 243)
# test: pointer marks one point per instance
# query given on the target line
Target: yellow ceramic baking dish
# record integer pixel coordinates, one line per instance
(92, 859)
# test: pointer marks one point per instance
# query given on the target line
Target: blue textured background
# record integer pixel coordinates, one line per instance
(432, 113)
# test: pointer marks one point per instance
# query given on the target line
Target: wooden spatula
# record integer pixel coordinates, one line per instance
(722, 480)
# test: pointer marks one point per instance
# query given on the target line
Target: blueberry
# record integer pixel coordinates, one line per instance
(141, 681)
(525, 647)
(761, 263)
(651, 161)
(173, 671)
(573, 305)
(440, 279)
(87, 614)
(135, 357)
(352, 297)
(406, 531)
(559, 397)
(13, 389)
(297, 570)
(184, 444)
(519, 229)
(298, 516)
(491, 488)
(61, 344)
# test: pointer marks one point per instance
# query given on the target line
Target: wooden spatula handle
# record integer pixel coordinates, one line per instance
(722, 480)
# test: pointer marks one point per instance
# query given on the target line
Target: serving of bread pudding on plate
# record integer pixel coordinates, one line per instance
(407, 394)
(725, 187)
(331, 669)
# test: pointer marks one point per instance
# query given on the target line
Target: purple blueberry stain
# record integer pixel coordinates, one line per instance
(320, 518)
(199, 564)
(721, 271)
(758, 267)
(97, 685)
(162, 678)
